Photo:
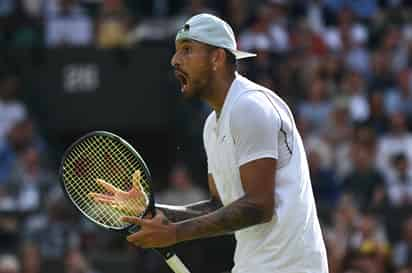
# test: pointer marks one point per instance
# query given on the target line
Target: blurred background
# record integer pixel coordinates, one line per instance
(68, 67)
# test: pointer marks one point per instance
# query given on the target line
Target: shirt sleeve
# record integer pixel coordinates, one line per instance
(255, 126)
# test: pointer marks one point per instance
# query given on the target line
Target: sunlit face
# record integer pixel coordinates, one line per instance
(193, 67)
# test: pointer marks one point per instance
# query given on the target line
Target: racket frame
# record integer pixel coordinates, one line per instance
(167, 253)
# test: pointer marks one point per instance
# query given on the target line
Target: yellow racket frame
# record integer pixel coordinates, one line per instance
(103, 155)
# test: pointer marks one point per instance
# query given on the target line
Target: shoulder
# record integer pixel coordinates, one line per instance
(251, 104)
(253, 110)
(255, 95)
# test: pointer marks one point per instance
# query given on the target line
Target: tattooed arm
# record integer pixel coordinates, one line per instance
(180, 213)
(255, 207)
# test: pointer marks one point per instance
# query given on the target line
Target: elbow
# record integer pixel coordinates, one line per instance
(268, 207)
(267, 219)
(267, 214)
(265, 208)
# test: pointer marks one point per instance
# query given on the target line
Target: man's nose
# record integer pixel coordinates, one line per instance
(175, 61)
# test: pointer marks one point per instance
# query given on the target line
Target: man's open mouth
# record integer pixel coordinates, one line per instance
(182, 78)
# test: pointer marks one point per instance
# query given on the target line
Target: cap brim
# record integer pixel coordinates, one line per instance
(242, 54)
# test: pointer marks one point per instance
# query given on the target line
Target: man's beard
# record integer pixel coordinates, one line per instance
(200, 89)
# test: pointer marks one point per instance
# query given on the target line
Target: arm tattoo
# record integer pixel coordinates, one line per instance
(180, 213)
(238, 215)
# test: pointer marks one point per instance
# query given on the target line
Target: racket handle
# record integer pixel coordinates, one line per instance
(172, 260)
(177, 265)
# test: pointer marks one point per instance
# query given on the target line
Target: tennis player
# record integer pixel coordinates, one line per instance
(258, 173)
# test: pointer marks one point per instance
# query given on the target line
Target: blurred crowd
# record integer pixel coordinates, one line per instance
(344, 67)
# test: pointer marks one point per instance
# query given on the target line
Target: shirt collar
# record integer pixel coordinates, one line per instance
(231, 94)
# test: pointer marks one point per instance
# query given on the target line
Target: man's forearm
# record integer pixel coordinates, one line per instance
(180, 213)
(240, 214)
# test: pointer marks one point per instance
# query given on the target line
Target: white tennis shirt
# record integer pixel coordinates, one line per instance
(255, 123)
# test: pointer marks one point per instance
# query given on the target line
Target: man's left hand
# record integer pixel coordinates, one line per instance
(156, 232)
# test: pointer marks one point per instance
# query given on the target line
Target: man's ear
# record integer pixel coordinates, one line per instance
(219, 58)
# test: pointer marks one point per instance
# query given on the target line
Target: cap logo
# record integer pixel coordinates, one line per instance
(183, 30)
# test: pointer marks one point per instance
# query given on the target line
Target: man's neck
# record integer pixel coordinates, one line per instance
(219, 90)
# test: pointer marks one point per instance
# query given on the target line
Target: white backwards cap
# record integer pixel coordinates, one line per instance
(211, 30)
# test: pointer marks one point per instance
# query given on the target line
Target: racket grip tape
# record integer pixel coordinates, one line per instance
(172, 260)
(176, 264)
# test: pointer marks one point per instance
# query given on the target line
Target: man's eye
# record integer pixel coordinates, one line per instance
(187, 50)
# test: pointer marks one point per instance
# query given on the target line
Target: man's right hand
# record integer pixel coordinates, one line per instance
(132, 202)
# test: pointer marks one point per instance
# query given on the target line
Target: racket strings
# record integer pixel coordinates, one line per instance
(102, 157)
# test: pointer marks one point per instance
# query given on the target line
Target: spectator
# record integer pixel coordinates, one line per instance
(257, 35)
(269, 24)
(278, 26)
(365, 183)
(31, 259)
(237, 13)
(6, 7)
(399, 99)
(33, 8)
(314, 16)
(191, 8)
(391, 38)
(399, 182)
(303, 39)
(354, 92)
(54, 232)
(11, 109)
(363, 9)
(316, 107)
(348, 32)
(321, 147)
(381, 74)
(369, 233)
(9, 232)
(324, 184)
(397, 140)
(30, 180)
(337, 234)
(22, 30)
(402, 253)
(261, 67)
(378, 120)
(405, 270)
(368, 248)
(356, 52)
(338, 129)
(9, 264)
(113, 24)
(21, 136)
(339, 132)
(367, 259)
(67, 24)
(197, 6)
(76, 262)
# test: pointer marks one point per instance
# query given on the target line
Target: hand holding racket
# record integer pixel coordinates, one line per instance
(157, 232)
(106, 179)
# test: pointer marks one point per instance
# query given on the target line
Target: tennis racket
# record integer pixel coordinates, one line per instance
(100, 163)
